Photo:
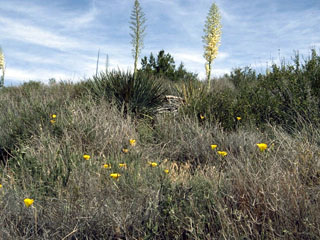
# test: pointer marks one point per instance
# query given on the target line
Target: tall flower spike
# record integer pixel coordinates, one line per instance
(1, 60)
(211, 38)
(2, 68)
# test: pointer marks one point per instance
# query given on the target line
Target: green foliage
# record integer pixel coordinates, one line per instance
(311, 71)
(27, 112)
(242, 77)
(284, 96)
(164, 66)
(142, 95)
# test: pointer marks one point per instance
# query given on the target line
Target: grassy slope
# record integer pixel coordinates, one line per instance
(246, 195)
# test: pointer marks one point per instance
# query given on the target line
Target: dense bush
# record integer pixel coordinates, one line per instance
(285, 96)
(24, 112)
(163, 66)
(142, 95)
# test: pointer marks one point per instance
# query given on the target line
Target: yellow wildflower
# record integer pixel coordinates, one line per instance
(28, 202)
(213, 146)
(201, 117)
(0, 185)
(122, 165)
(222, 153)
(166, 170)
(86, 157)
(125, 150)
(53, 121)
(238, 118)
(107, 166)
(262, 146)
(53, 116)
(132, 142)
(153, 164)
(115, 175)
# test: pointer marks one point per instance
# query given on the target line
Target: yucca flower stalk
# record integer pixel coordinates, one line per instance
(2, 67)
(211, 38)
(137, 25)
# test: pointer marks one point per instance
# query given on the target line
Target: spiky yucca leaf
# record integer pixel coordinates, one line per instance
(144, 96)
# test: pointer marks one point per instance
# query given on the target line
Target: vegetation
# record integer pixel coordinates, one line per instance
(238, 162)
(137, 25)
(284, 96)
(143, 97)
(211, 38)
(163, 66)
(2, 68)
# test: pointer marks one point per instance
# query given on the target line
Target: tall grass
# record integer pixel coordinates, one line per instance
(192, 192)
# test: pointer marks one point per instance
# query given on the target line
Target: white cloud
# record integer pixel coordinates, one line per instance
(24, 75)
(27, 33)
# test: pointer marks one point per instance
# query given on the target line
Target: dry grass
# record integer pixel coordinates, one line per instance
(248, 194)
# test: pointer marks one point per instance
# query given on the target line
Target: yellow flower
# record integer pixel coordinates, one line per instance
(201, 117)
(238, 118)
(107, 166)
(122, 165)
(213, 146)
(222, 153)
(53, 121)
(132, 142)
(0, 185)
(115, 175)
(262, 146)
(166, 170)
(86, 157)
(28, 202)
(53, 115)
(153, 164)
(125, 150)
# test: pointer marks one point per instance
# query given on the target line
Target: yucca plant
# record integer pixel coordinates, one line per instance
(190, 90)
(211, 38)
(2, 67)
(144, 96)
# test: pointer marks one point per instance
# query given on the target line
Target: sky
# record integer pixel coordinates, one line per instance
(60, 39)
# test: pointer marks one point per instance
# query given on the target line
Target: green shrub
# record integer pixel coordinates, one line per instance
(142, 95)
(311, 71)
(218, 105)
(284, 96)
(163, 66)
(26, 111)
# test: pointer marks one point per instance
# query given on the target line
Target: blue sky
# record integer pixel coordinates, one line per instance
(44, 39)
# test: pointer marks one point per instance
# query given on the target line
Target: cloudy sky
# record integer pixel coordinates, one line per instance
(60, 39)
